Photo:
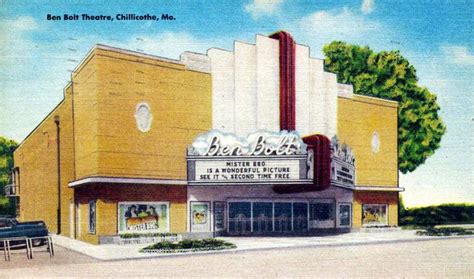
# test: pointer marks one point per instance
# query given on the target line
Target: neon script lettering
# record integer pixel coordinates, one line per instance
(287, 145)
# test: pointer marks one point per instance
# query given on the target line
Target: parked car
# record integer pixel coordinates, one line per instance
(11, 228)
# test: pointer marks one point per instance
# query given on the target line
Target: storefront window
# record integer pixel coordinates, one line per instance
(92, 216)
(143, 217)
(322, 211)
(344, 215)
(374, 215)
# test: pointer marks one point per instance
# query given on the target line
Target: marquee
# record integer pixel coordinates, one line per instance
(262, 158)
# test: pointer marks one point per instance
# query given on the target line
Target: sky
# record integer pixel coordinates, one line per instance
(37, 56)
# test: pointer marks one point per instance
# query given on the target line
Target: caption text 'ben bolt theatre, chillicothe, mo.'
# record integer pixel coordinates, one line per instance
(259, 140)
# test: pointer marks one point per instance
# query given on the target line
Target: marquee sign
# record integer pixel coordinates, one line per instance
(261, 158)
(260, 143)
(342, 164)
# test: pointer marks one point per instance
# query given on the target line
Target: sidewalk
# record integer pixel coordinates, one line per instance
(108, 252)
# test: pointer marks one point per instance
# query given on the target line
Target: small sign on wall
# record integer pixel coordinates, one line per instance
(200, 217)
(342, 164)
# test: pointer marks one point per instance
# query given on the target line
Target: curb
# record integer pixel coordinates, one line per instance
(304, 246)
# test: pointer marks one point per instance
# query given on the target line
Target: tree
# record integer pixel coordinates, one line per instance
(389, 75)
(401, 206)
(6, 164)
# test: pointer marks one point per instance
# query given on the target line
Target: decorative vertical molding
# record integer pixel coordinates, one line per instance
(321, 147)
(287, 80)
(268, 84)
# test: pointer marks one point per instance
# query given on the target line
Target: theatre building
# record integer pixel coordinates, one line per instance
(258, 140)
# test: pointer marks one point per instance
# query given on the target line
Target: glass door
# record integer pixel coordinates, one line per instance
(300, 217)
(283, 214)
(262, 217)
(239, 218)
(219, 218)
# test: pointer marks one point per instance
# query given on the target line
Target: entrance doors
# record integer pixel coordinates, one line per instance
(262, 217)
(282, 216)
(267, 217)
(240, 218)
(300, 217)
(219, 218)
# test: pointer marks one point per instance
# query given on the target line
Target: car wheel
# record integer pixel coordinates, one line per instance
(37, 242)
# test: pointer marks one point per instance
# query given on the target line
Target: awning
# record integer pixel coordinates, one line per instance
(379, 188)
(125, 180)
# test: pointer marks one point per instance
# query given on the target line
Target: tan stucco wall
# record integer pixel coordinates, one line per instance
(99, 137)
(180, 103)
(108, 197)
(85, 87)
(36, 158)
(358, 119)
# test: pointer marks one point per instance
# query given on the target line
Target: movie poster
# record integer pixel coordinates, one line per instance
(374, 215)
(200, 216)
(143, 217)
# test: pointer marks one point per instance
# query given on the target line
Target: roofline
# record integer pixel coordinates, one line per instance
(46, 117)
(90, 53)
(377, 99)
(137, 53)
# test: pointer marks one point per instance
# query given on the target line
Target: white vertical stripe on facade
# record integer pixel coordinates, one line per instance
(331, 103)
(268, 84)
(222, 70)
(316, 100)
(303, 88)
(245, 88)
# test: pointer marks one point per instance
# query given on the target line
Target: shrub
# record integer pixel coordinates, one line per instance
(444, 231)
(438, 214)
(190, 245)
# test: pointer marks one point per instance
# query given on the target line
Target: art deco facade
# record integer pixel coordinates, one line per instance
(258, 140)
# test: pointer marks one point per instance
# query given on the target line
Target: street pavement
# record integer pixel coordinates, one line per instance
(434, 258)
(121, 252)
(42, 258)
